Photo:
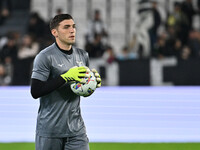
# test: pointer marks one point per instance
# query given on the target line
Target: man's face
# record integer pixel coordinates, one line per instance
(65, 33)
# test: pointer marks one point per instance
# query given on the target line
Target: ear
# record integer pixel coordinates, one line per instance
(54, 32)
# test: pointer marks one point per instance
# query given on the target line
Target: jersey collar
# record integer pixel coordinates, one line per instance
(64, 51)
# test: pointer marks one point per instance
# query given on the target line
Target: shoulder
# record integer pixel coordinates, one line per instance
(81, 55)
(46, 54)
(80, 51)
(48, 51)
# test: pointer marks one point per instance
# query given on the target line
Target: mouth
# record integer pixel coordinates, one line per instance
(72, 37)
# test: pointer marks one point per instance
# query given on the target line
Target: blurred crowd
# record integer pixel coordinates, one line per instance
(178, 39)
(17, 51)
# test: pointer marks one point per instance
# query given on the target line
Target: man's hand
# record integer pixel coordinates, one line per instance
(75, 74)
(98, 77)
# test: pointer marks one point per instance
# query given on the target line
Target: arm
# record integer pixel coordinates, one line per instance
(40, 88)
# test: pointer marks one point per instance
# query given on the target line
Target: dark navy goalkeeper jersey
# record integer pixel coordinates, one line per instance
(59, 113)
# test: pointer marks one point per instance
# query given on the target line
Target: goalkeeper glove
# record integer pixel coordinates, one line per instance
(75, 74)
(98, 77)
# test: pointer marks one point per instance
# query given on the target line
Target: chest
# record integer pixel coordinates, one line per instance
(62, 63)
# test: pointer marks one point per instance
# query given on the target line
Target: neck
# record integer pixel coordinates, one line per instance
(68, 52)
(64, 46)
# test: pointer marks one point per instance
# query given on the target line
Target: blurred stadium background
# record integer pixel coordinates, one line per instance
(147, 52)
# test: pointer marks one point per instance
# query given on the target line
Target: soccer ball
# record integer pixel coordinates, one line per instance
(85, 89)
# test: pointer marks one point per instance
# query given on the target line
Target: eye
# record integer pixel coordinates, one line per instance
(66, 26)
(74, 26)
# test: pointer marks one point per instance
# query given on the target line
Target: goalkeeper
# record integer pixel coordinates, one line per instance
(59, 123)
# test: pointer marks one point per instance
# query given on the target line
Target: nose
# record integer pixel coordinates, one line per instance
(72, 30)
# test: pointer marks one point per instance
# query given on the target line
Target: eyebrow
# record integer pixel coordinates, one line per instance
(68, 25)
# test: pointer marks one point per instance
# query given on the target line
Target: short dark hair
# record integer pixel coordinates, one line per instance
(59, 18)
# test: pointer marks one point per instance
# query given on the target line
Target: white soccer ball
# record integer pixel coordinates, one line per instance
(85, 89)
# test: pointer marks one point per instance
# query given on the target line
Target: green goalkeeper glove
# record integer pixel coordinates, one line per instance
(75, 74)
(98, 77)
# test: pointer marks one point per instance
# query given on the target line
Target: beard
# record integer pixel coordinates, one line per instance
(71, 42)
(68, 41)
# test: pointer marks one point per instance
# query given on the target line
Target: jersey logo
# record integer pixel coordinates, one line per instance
(60, 65)
(80, 63)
